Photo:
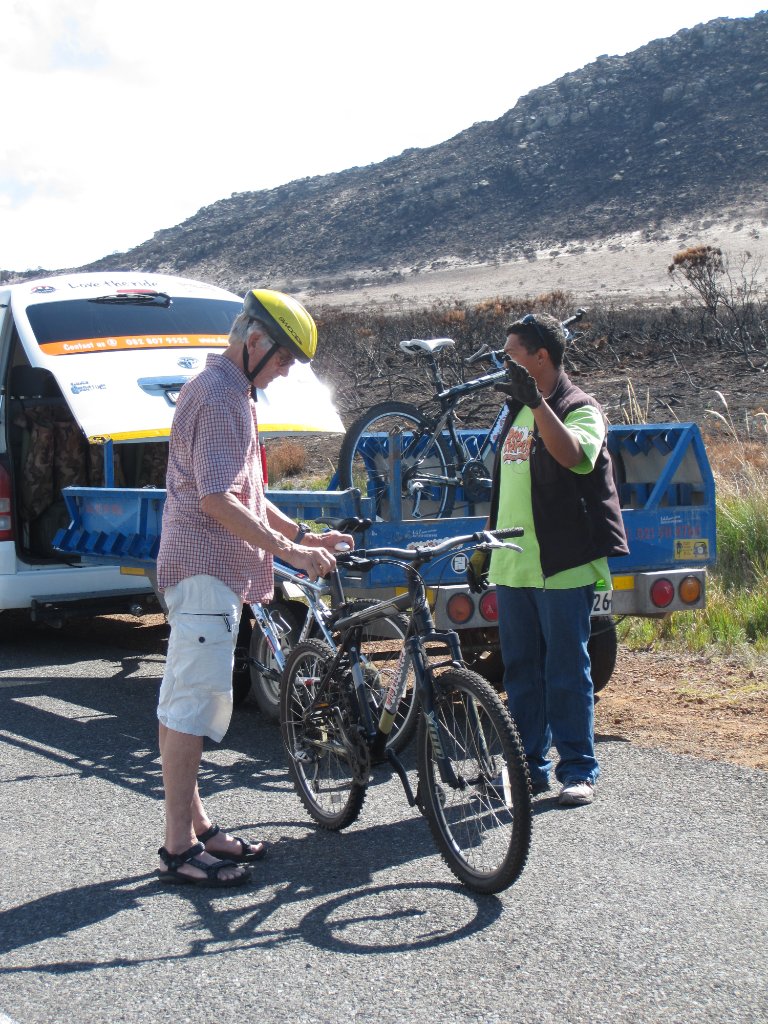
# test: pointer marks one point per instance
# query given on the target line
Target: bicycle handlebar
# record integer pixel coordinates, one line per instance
(368, 557)
(485, 352)
(578, 315)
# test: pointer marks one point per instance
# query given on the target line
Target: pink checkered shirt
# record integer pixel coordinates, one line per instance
(214, 449)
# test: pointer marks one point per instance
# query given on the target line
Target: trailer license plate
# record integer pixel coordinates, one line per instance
(603, 602)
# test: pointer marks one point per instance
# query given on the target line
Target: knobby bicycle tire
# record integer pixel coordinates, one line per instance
(365, 463)
(316, 739)
(380, 646)
(482, 827)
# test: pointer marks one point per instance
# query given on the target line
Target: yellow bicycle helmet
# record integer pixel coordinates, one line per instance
(290, 325)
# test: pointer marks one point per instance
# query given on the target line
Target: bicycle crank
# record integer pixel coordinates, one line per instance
(476, 481)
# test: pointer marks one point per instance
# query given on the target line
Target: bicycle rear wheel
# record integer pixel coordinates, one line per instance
(321, 739)
(426, 461)
(482, 825)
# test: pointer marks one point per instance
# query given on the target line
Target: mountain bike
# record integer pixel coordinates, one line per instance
(436, 463)
(473, 785)
(300, 612)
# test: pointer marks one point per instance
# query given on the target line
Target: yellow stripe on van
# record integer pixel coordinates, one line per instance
(131, 435)
(297, 428)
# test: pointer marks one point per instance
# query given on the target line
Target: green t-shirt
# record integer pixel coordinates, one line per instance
(510, 568)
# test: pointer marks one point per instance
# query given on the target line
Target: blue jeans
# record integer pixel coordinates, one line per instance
(543, 635)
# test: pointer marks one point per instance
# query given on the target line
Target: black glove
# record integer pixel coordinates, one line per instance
(477, 571)
(520, 385)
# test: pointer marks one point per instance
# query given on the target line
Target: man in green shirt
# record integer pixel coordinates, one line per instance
(553, 476)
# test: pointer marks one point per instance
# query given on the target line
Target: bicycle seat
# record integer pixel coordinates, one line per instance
(417, 346)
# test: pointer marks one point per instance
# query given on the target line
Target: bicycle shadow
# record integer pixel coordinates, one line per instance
(104, 728)
(353, 912)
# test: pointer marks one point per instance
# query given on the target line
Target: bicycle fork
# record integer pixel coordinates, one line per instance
(273, 630)
(413, 651)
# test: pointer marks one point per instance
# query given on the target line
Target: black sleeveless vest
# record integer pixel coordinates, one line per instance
(577, 516)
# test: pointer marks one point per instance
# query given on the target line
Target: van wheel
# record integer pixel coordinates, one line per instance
(602, 647)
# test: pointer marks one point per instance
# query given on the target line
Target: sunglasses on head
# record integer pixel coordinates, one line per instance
(530, 320)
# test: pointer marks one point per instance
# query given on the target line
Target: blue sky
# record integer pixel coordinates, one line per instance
(123, 119)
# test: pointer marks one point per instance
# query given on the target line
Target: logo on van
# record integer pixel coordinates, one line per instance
(188, 362)
(77, 387)
(43, 289)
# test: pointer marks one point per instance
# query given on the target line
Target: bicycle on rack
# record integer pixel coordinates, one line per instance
(301, 612)
(473, 783)
(436, 462)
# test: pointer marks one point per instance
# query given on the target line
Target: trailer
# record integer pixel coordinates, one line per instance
(667, 496)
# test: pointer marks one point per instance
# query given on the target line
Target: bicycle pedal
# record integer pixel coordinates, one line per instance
(304, 757)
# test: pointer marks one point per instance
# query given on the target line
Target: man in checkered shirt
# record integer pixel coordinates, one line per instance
(218, 539)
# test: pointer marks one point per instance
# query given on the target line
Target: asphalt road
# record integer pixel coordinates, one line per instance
(650, 905)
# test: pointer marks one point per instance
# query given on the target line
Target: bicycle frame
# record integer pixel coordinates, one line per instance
(449, 399)
(421, 630)
(317, 613)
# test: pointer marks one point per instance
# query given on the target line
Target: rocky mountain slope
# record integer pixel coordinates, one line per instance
(672, 133)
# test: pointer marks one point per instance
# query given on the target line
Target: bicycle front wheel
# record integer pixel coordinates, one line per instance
(480, 818)
(428, 476)
(322, 741)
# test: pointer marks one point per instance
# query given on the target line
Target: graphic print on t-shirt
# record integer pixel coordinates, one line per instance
(517, 446)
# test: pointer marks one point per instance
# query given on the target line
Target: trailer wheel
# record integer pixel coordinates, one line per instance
(602, 647)
(490, 666)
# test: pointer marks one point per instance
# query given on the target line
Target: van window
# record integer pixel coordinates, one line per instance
(176, 325)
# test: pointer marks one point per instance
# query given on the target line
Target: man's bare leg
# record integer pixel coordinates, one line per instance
(180, 754)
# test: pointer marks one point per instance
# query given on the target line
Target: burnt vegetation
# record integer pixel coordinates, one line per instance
(656, 364)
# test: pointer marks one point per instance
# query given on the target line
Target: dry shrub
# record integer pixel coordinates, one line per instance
(285, 459)
(738, 452)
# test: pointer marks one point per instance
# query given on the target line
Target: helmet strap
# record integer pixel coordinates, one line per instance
(252, 374)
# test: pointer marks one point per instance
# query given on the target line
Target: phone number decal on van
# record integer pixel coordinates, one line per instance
(73, 348)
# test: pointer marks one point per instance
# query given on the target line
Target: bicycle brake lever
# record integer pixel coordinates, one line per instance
(497, 545)
(477, 356)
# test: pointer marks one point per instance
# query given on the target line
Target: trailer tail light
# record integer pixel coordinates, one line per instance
(690, 590)
(6, 504)
(460, 609)
(662, 593)
(489, 609)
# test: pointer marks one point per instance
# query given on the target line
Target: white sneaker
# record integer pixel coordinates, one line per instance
(579, 791)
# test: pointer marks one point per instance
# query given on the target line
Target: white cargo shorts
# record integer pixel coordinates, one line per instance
(196, 692)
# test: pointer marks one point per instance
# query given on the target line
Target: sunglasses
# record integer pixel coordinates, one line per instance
(530, 321)
(284, 358)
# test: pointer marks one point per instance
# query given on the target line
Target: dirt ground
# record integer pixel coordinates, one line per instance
(710, 707)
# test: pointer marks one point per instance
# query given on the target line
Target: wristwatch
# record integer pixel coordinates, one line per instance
(301, 533)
